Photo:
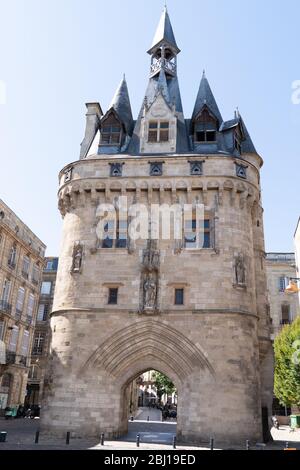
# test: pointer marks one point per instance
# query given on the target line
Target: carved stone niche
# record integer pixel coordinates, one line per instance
(239, 271)
(150, 279)
(77, 258)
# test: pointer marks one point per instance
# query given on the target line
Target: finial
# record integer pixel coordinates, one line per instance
(204, 75)
(124, 77)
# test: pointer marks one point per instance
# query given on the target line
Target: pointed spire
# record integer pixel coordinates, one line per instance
(121, 104)
(205, 97)
(247, 144)
(164, 33)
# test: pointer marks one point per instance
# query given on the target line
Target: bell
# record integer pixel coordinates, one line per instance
(292, 288)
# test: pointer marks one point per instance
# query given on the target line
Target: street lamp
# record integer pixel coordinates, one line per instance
(293, 288)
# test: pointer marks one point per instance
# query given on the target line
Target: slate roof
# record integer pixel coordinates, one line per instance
(121, 104)
(164, 33)
(206, 97)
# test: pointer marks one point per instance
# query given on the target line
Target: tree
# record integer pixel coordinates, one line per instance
(163, 385)
(287, 365)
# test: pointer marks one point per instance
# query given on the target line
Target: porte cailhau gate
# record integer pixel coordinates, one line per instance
(198, 314)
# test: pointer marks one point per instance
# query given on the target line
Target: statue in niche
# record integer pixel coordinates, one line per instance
(151, 256)
(240, 271)
(150, 292)
(77, 258)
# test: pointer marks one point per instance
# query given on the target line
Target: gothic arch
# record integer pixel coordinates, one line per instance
(168, 349)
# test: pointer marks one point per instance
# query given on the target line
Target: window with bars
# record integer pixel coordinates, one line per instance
(38, 344)
(43, 312)
(158, 131)
(113, 296)
(198, 237)
(179, 296)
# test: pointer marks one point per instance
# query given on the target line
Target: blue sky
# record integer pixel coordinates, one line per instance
(55, 55)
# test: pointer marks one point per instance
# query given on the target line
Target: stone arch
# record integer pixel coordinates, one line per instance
(148, 338)
(213, 185)
(115, 186)
(181, 185)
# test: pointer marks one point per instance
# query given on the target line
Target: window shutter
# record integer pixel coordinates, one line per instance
(14, 339)
(25, 343)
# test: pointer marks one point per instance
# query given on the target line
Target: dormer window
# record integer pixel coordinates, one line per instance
(111, 131)
(158, 131)
(205, 128)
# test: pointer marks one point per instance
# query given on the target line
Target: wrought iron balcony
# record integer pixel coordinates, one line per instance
(5, 306)
(285, 322)
(18, 314)
(25, 274)
(23, 361)
(29, 319)
(11, 264)
(10, 357)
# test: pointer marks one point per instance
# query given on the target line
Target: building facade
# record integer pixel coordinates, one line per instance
(42, 334)
(21, 264)
(193, 306)
(284, 307)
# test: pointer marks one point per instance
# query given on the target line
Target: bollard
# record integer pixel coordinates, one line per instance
(68, 438)
(148, 419)
(102, 439)
(211, 444)
(174, 442)
(247, 445)
(3, 435)
(131, 419)
(138, 440)
(37, 436)
(287, 445)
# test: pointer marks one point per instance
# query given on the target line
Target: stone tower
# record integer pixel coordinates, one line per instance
(197, 312)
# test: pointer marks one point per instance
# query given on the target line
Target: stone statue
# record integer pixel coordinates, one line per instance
(77, 258)
(240, 271)
(150, 291)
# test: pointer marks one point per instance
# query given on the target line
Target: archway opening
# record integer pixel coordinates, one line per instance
(150, 406)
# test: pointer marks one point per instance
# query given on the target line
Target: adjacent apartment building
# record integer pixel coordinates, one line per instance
(41, 342)
(284, 307)
(21, 265)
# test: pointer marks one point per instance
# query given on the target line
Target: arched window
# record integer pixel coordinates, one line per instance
(111, 131)
(205, 127)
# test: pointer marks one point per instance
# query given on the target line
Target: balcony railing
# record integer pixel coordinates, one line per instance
(5, 306)
(25, 274)
(23, 361)
(285, 322)
(35, 282)
(29, 319)
(11, 264)
(10, 357)
(18, 314)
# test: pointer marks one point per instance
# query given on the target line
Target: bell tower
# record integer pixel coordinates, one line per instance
(164, 49)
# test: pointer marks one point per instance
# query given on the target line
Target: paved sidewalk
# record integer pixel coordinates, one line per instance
(154, 436)
(153, 413)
